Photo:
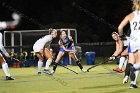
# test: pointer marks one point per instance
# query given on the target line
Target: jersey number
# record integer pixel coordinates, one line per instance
(136, 25)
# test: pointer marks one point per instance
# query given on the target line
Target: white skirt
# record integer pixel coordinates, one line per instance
(37, 47)
(134, 42)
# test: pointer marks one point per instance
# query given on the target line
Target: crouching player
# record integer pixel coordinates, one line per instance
(121, 53)
(66, 45)
(42, 48)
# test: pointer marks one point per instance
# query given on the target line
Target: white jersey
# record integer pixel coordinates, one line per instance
(135, 32)
(126, 42)
(2, 47)
(39, 44)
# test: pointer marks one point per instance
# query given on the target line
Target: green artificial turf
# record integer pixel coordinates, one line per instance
(100, 79)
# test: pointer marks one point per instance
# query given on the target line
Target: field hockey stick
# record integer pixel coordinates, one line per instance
(99, 65)
(94, 66)
(17, 60)
(68, 69)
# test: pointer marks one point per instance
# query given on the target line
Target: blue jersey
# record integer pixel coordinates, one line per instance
(67, 43)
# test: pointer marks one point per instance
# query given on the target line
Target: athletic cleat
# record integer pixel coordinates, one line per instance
(52, 72)
(83, 70)
(9, 78)
(125, 80)
(39, 73)
(47, 71)
(44, 71)
(133, 86)
(118, 70)
(115, 69)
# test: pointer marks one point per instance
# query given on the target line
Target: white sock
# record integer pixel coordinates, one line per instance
(122, 60)
(47, 65)
(40, 64)
(6, 69)
(125, 63)
(132, 82)
(136, 76)
(137, 66)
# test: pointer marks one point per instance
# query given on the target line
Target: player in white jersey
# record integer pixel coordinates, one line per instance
(42, 48)
(134, 43)
(3, 52)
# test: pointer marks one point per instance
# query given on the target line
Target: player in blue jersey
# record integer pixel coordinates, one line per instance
(66, 45)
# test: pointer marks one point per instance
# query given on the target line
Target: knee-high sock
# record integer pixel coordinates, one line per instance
(79, 64)
(40, 64)
(127, 70)
(122, 60)
(136, 77)
(55, 66)
(47, 65)
(135, 73)
(6, 69)
(132, 74)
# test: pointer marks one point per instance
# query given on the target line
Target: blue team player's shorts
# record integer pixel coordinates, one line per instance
(129, 49)
(62, 50)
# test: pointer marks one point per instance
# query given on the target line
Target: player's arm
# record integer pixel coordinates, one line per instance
(62, 46)
(119, 48)
(71, 39)
(73, 46)
(124, 23)
(7, 25)
(10, 24)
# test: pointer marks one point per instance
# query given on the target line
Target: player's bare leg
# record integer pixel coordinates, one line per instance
(123, 61)
(40, 62)
(59, 56)
(5, 68)
(128, 66)
(49, 58)
(73, 56)
(134, 70)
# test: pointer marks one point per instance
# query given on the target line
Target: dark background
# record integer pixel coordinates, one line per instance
(94, 20)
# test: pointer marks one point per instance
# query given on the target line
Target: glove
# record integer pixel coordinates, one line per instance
(112, 58)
